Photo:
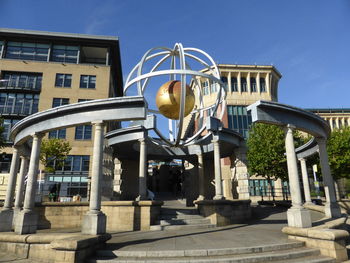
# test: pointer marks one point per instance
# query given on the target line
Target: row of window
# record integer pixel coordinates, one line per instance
(65, 81)
(18, 103)
(21, 80)
(40, 52)
(73, 163)
(239, 119)
(260, 187)
(213, 87)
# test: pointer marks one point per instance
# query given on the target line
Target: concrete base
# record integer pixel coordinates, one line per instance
(16, 212)
(332, 210)
(26, 222)
(225, 212)
(6, 217)
(94, 224)
(299, 217)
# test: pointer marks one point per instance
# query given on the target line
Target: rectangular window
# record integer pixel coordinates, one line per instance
(63, 80)
(56, 102)
(8, 125)
(1, 48)
(76, 163)
(65, 54)
(87, 82)
(21, 80)
(58, 134)
(234, 84)
(262, 85)
(83, 132)
(225, 81)
(205, 86)
(253, 84)
(261, 187)
(239, 119)
(213, 87)
(27, 51)
(18, 103)
(244, 84)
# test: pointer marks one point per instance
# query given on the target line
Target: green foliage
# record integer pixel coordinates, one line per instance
(266, 148)
(266, 152)
(338, 147)
(54, 151)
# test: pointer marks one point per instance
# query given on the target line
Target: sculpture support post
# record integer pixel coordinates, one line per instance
(201, 195)
(94, 222)
(20, 188)
(297, 215)
(331, 208)
(305, 181)
(143, 170)
(27, 220)
(6, 215)
(217, 169)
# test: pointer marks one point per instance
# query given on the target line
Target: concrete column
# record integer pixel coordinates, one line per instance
(201, 177)
(20, 187)
(330, 123)
(258, 83)
(6, 215)
(349, 122)
(143, 170)
(239, 82)
(305, 181)
(337, 122)
(331, 208)
(217, 170)
(249, 88)
(229, 84)
(297, 215)
(27, 220)
(267, 83)
(94, 222)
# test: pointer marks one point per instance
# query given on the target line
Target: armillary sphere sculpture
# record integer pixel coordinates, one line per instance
(176, 99)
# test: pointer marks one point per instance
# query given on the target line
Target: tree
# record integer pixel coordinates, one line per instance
(53, 153)
(338, 148)
(266, 151)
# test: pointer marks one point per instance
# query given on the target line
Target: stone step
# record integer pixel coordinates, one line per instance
(283, 255)
(165, 211)
(203, 252)
(196, 221)
(180, 227)
(310, 259)
(183, 216)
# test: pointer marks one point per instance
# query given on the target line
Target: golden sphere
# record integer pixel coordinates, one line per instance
(168, 99)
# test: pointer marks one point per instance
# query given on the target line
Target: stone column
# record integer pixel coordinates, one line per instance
(143, 170)
(258, 83)
(297, 215)
(117, 180)
(267, 83)
(94, 222)
(305, 181)
(229, 84)
(201, 186)
(239, 82)
(217, 169)
(249, 88)
(27, 220)
(331, 208)
(20, 187)
(6, 215)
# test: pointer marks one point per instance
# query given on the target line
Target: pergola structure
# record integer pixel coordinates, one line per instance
(291, 118)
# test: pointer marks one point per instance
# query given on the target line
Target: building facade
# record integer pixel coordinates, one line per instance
(41, 70)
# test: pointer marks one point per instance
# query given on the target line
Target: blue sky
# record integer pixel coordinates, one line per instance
(308, 41)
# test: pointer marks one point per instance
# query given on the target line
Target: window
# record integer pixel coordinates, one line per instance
(27, 51)
(77, 163)
(18, 103)
(58, 134)
(260, 187)
(65, 54)
(83, 132)
(61, 133)
(87, 82)
(262, 85)
(59, 102)
(205, 86)
(234, 84)
(213, 87)
(224, 80)
(19, 80)
(239, 119)
(63, 80)
(8, 124)
(253, 84)
(244, 84)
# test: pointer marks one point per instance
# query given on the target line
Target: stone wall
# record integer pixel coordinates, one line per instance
(121, 215)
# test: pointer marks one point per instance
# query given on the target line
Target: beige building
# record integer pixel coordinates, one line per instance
(244, 84)
(337, 118)
(41, 70)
